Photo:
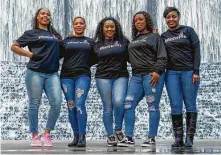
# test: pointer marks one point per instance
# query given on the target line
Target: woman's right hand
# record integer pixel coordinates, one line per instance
(155, 78)
(15, 47)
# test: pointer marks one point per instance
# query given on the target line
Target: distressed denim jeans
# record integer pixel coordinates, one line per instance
(75, 92)
(138, 88)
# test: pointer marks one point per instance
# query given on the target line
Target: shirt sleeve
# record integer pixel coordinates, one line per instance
(161, 55)
(62, 49)
(195, 45)
(93, 58)
(127, 55)
(25, 39)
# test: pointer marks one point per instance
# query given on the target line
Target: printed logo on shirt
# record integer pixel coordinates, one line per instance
(47, 37)
(116, 44)
(180, 36)
(142, 40)
(79, 42)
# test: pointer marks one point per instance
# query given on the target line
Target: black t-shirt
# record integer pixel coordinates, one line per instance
(45, 46)
(78, 56)
(147, 54)
(112, 59)
(183, 49)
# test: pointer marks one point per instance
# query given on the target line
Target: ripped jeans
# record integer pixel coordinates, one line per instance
(75, 92)
(138, 88)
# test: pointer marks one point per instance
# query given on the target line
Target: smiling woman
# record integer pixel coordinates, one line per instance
(43, 19)
(183, 48)
(112, 75)
(109, 29)
(78, 54)
(148, 60)
(43, 42)
(79, 26)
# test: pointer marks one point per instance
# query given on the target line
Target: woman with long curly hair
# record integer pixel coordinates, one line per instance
(43, 43)
(112, 75)
(148, 60)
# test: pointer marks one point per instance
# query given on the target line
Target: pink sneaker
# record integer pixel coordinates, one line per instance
(36, 141)
(46, 139)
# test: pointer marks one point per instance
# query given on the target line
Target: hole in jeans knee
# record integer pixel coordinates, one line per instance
(150, 99)
(152, 108)
(128, 102)
(71, 104)
(79, 92)
(64, 88)
(127, 106)
(79, 109)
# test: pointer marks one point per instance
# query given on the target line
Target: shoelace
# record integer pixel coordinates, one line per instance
(112, 138)
(125, 139)
(120, 135)
(151, 141)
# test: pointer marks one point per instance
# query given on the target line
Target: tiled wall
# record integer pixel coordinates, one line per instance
(14, 119)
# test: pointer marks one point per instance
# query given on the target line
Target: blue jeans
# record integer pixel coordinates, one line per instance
(36, 82)
(112, 92)
(75, 92)
(138, 88)
(180, 88)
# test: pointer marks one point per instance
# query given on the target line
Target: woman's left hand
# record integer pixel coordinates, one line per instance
(196, 78)
(155, 78)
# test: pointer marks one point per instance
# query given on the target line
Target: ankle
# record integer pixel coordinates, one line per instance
(47, 131)
(151, 137)
(34, 135)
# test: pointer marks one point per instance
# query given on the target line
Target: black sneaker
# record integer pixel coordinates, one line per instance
(149, 142)
(119, 135)
(126, 142)
(112, 140)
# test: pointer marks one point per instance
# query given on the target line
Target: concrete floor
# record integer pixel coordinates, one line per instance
(100, 147)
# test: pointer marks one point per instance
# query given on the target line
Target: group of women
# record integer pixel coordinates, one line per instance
(173, 57)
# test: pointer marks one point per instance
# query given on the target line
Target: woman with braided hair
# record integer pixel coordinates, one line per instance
(111, 75)
(43, 43)
(148, 60)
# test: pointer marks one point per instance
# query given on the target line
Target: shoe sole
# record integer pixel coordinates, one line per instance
(126, 145)
(36, 145)
(112, 145)
(81, 145)
(147, 145)
(46, 145)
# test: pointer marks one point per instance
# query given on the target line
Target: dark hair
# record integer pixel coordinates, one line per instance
(149, 23)
(80, 18)
(169, 9)
(118, 31)
(51, 29)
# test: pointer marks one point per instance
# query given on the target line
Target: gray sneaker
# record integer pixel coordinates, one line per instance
(119, 135)
(126, 142)
(149, 142)
(112, 140)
